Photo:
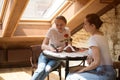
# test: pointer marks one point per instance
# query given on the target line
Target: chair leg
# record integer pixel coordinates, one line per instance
(60, 73)
(48, 77)
(32, 71)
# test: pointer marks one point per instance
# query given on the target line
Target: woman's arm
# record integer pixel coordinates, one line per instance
(45, 45)
(96, 59)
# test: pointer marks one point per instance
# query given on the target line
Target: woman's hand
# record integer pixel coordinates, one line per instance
(83, 69)
(89, 59)
(60, 49)
(83, 49)
(52, 49)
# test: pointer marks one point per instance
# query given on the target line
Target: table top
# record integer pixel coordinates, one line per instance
(63, 55)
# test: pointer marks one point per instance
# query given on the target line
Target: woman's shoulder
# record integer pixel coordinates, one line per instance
(98, 38)
(67, 28)
(52, 29)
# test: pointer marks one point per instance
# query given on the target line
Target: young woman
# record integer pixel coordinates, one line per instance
(53, 38)
(100, 62)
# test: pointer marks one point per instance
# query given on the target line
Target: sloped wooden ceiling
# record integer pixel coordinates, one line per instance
(12, 17)
(16, 9)
(11, 35)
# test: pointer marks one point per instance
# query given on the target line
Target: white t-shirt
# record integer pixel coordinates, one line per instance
(101, 42)
(56, 37)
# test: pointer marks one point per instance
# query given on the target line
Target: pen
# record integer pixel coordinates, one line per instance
(54, 47)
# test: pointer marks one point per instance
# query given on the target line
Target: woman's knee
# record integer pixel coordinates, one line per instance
(48, 68)
(40, 67)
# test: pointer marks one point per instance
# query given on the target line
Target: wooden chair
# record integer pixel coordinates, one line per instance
(116, 65)
(36, 50)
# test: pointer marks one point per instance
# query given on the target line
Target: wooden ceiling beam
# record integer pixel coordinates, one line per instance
(13, 16)
(15, 42)
(93, 6)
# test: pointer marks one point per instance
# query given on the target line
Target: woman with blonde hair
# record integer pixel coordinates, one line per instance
(51, 42)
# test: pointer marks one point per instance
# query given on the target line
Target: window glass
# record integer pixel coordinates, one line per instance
(41, 9)
(1, 6)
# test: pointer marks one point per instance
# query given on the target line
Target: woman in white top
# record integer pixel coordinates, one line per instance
(53, 38)
(99, 60)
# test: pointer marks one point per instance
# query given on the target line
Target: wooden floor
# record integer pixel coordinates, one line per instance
(23, 73)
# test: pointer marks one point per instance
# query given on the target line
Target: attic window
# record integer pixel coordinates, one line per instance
(1, 6)
(41, 9)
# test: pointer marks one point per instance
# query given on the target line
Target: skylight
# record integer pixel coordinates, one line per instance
(1, 6)
(41, 9)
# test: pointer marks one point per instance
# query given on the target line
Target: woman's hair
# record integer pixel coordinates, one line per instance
(94, 19)
(62, 18)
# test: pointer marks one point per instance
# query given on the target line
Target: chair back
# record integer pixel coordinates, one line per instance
(116, 65)
(36, 50)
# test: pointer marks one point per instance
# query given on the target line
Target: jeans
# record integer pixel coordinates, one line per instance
(45, 66)
(105, 72)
